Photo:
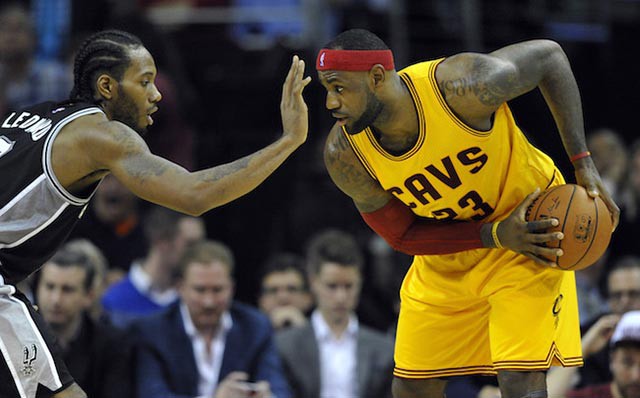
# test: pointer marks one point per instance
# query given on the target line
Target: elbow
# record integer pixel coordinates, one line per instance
(192, 204)
(553, 51)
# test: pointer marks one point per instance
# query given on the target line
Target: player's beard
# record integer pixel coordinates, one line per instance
(371, 112)
(125, 110)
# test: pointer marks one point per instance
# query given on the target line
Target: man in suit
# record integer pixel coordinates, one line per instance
(97, 355)
(334, 356)
(206, 345)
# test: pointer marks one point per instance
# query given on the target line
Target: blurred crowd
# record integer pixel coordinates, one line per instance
(284, 293)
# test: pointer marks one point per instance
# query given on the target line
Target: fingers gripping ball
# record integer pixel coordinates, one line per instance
(585, 222)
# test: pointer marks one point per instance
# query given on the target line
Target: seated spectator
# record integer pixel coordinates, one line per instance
(624, 362)
(610, 156)
(206, 345)
(112, 222)
(284, 295)
(624, 241)
(623, 295)
(334, 356)
(150, 284)
(96, 355)
(23, 79)
(100, 263)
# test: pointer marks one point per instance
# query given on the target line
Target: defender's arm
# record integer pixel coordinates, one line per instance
(116, 148)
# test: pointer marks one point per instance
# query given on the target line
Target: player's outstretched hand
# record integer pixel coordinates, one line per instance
(528, 238)
(587, 176)
(293, 109)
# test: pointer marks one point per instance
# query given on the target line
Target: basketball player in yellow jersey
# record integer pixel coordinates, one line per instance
(436, 165)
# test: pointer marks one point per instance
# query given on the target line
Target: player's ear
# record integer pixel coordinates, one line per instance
(106, 86)
(377, 74)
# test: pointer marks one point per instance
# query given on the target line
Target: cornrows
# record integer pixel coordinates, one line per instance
(103, 52)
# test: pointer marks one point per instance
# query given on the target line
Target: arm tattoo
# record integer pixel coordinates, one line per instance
(141, 169)
(350, 177)
(219, 172)
(490, 86)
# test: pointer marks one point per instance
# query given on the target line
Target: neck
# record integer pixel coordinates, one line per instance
(397, 124)
(160, 275)
(65, 333)
(337, 325)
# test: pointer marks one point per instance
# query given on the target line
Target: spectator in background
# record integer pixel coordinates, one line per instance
(623, 295)
(284, 294)
(217, 344)
(624, 241)
(100, 265)
(334, 356)
(610, 156)
(112, 223)
(624, 362)
(590, 286)
(151, 282)
(23, 79)
(97, 356)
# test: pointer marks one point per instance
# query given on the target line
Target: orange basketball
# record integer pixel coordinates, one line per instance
(585, 222)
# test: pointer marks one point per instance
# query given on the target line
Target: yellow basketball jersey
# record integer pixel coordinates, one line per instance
(456, 172)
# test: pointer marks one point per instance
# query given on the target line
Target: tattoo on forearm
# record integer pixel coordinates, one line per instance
(224, 170)
(143, 169)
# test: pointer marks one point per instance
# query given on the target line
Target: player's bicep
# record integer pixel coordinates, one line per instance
(475, 85)
(350, 176)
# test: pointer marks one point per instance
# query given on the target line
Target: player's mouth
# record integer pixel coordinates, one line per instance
(341, 120)
(149, 118)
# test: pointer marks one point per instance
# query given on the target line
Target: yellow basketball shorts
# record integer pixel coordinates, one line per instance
(504, 313)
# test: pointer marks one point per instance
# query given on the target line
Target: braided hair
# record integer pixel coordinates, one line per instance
(102, 52)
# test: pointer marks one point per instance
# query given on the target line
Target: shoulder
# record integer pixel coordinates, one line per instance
(119, 292)
(375, 338)
(158, 323)
(294, 333)
(247, 316)
(337, 146)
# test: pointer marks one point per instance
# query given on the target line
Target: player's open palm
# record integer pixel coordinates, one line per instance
(295, 118)
(528, 237)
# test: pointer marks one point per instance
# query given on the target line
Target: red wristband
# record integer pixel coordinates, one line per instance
(580, 156)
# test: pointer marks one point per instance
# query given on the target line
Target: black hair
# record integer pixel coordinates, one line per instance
(161, 223)
(284, 262)
(102, 52)
(66, 258)
(333, 246)
(357, 39)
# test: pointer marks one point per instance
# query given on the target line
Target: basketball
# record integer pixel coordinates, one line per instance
(585, 222)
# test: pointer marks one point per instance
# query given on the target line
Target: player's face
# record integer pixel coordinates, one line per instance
(61, 293)
(283, 288)
(624, 290)
(336, 289)
(206, 290)
(137, 94)
(350, 100)
(625, 367)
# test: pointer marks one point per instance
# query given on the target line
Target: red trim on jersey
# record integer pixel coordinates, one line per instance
(410, 234)
(353, 60)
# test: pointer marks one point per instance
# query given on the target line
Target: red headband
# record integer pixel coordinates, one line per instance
(353, 60)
